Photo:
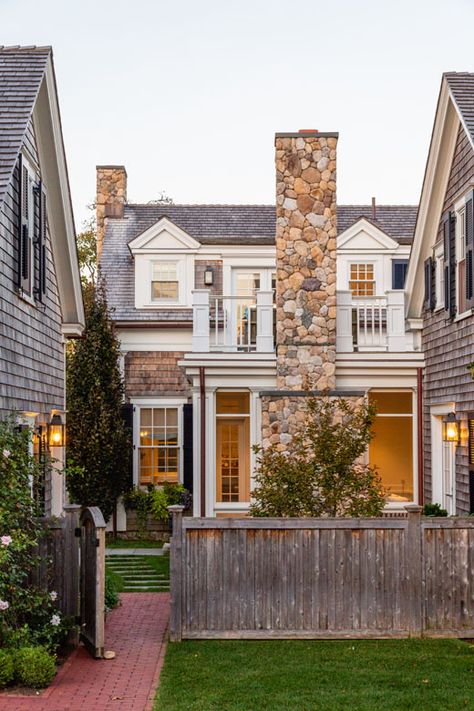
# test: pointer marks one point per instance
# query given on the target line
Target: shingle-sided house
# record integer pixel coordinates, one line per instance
(226, 312)
(441, 297)
(40, 290)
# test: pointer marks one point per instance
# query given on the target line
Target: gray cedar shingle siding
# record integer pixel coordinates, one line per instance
(449, 346)
(154, 373)
(31, 351)
(21, 74)
(214, 224)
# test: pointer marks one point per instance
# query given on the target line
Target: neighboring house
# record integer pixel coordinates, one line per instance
(41, 299)
(226, 312)
(441, 297)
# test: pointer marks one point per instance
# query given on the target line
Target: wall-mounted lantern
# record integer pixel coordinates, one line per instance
(56, 432)
(451, 429)
(209, 276)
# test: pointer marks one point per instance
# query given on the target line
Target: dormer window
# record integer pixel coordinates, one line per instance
(164, 283)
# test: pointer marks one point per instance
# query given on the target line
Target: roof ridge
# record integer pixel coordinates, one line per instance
(199, 204)
(25, 48)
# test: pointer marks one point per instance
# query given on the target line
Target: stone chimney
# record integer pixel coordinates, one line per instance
(111, 197)
(306, 278)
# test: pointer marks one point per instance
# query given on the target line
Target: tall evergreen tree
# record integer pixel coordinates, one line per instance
(99, 447)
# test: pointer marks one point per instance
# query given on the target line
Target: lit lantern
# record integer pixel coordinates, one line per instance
(56, 432)
(451, 429)
(209, 276)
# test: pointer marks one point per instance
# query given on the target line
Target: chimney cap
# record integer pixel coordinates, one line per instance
(111, 167)
(308, 132)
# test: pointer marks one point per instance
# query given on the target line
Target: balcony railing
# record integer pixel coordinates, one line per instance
(372, 323)
(233, 323)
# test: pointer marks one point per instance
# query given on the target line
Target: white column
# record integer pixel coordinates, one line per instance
(265, 343)
(344, 340)
(201, 325)
(396, 320)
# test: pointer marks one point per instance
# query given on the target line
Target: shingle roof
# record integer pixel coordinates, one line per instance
(214, 225)
(21, 73)
(461, 85)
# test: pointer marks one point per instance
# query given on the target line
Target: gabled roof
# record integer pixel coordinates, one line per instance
(21, 74)
(397, 221)
(461, 85)
(455, 108)
(28, 93)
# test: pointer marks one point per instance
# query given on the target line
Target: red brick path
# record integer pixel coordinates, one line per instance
(136, 631)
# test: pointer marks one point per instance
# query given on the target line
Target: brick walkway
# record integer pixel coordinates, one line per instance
(136, 632)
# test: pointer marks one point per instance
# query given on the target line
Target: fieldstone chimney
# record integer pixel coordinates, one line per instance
(306, 232)
(111, 197)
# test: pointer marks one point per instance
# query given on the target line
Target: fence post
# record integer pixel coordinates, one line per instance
(176, 573)
(413, 557)
(72, 578)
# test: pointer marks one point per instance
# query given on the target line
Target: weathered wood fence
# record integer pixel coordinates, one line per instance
(322, 578)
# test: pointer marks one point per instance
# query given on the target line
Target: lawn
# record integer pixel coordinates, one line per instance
(117, 543)
(336, 675)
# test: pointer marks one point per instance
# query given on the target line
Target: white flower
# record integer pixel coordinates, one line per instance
(6, 453)
(4, 605)
(53, 595)
(6, 540)
(55, 620)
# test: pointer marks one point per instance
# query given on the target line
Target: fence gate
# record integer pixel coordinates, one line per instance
(93, 580)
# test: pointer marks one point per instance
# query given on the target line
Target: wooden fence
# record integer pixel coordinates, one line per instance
(261, 578)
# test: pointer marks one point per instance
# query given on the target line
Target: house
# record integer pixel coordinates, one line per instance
(41, 299)
(225, 313)
(440, 297)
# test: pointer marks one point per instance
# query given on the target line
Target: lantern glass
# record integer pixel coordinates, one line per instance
(56, 432)
(208, 277)
(451, 429)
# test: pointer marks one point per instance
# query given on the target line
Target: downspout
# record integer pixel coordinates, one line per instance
(419, 409)
(202, 390)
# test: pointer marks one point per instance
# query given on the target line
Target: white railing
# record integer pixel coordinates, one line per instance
(233, 323)
(372, 323)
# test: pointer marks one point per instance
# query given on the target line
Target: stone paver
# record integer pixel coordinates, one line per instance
(136, 632)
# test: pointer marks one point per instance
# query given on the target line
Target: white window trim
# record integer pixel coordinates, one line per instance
(459, 209)
(439, 275)
(156, 402)
(178, 269)
(437, 412)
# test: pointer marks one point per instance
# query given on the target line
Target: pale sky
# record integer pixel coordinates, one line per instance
(188, 95)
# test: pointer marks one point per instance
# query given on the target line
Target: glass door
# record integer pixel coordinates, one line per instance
(232, 447)
(449, 458)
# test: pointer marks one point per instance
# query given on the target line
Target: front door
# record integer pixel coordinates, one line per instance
(449, 468)
(233, 454)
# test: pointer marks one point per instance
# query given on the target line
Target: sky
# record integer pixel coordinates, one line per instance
(189, 94)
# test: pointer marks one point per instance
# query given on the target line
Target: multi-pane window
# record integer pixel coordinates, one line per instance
(164, 283)
(159, 445)
(461, 259)
(233, 446)
(362, 282)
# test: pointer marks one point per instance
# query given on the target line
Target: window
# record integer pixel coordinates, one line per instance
(391, 449)
(32, 262)
(439, 276)
(399, 272)
(159, 445)
(164, 284)
(233, 446)
(461, 260)
(362, 282)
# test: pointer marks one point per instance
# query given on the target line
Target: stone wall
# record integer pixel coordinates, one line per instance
(111, 197)
(306, 279)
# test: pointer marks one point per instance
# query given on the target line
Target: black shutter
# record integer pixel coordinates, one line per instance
(40, 242)
(429, 283)
(24, 247)
(188, 447)
(469, 214)
(127, 417)
(471, 492)
(449, 225)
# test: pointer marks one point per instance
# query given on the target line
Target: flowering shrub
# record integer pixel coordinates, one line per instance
(28, 614)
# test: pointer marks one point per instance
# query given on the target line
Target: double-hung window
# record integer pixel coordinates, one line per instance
(461, 260)
(32, 233)
(164, 282)
(362, 281)
(159, 445)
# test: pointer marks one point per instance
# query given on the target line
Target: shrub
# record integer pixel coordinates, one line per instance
(434, 510)
(34, 666)
(7, 667)
(155, 501)
(111, 592)
(323, 473)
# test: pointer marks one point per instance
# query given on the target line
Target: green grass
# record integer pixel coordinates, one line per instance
(117, 543)
(116, 580)
(342, 675)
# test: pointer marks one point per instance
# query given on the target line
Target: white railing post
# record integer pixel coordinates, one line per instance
(396, 320)
(265, 341)
(201, 321)
(344, 342)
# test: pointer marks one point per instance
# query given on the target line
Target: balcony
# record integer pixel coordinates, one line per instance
(372, 323)
(242, 324)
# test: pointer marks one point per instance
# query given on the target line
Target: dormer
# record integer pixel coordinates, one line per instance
(164, 266)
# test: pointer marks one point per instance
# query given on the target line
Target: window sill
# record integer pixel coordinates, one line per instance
(161, 305)
(26, 297)
(461, 317)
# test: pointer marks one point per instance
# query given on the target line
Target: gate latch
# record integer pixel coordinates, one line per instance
(77, 532)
